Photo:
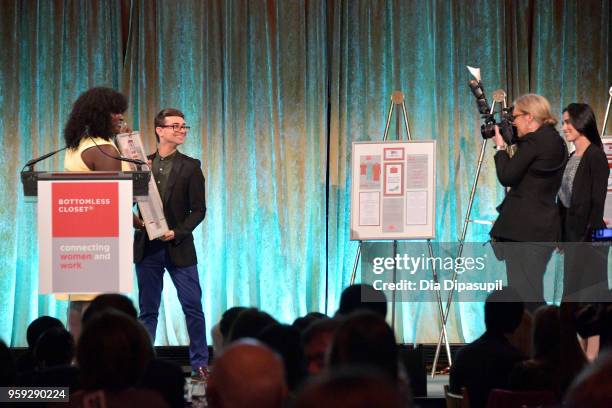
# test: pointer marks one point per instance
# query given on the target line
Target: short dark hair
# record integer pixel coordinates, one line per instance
(109, 301)
(503, 311)
(160, 118)
(362, 296)
(302, 323)
(54, 347)
(249, 323)
(582, 118)
(228, 318)
(39, 326)
(90, 115)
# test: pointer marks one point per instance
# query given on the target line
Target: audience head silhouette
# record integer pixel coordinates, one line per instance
(110, 301)
(362, 296)
(365, 339)
(503, 311)
(350, 388)
(286, 341)
(55, 347)
(113, 351)
(247, 374)
(38, 327)
(249, 323)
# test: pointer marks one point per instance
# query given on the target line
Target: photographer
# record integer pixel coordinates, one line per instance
(528, 225)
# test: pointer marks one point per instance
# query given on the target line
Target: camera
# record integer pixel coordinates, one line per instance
(487, 130)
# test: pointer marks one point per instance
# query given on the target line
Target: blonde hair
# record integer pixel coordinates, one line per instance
(537, 106)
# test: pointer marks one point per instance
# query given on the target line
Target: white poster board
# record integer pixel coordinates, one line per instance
(607, 146)
(85, 236)
(393, 190)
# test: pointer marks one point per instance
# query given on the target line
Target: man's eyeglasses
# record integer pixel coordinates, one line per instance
(177, 128)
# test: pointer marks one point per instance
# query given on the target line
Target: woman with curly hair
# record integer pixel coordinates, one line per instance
(96, 117)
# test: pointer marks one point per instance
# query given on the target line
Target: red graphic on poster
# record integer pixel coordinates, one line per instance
(376, 171)
(85, 209)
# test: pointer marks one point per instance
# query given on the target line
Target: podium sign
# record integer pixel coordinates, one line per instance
(85, 236)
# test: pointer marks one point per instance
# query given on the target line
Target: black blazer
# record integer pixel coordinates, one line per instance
(184, 208)
(588, 197)
(529, 211)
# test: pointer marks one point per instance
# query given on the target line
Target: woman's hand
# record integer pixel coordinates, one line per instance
(498, 139)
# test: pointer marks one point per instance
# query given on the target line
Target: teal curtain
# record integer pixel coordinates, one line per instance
(275, 92)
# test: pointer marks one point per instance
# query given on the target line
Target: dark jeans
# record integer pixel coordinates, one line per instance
(150, 273)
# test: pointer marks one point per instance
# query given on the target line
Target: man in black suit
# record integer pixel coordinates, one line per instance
(181, 186)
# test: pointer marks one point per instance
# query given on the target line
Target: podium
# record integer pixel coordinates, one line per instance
(85, 233)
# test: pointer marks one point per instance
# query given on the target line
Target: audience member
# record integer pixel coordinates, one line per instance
(247, 374)
(350, 388)
(55, 347)
(112, 301)
(364, 339)
(362, 296)
(249, 323)
(485, 363)
(302, 323)
(26, 363)
(113, 353)
(286, 341)
(593, 387)
(317, 340)
(8, 370)
(220, 332)
(557, 357)
(53, 355)
(163, 376)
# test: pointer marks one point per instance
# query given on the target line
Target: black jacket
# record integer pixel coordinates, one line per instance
(529, 211)
(482, 366)
(184, 208)
(588, 197)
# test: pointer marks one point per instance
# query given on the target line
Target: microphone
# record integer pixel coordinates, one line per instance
(137, 162)
(32, 162)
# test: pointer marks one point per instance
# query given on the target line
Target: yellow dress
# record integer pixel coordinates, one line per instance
(74, 162)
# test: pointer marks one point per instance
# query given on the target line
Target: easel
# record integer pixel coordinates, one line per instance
(397, 98)
(605, 122)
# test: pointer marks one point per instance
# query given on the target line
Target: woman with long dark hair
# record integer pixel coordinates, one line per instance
(96, 117)
(581, 203)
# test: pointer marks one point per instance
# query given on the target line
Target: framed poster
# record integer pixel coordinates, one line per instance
(393, 192)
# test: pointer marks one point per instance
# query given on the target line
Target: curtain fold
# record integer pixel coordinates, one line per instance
(276, 92)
